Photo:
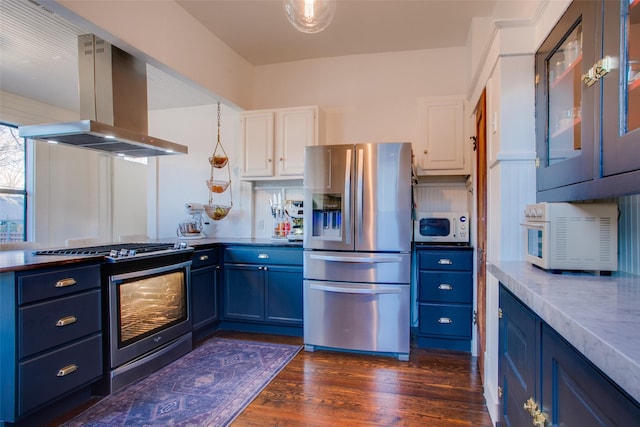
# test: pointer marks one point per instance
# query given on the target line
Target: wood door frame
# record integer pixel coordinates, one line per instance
(481, 224)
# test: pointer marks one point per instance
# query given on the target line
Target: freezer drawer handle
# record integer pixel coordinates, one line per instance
(445, 287)
(349, 290)
(445, 320)
(338, 258)
(445, 261)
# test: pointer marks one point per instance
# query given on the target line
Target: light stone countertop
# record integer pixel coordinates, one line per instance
(598, 315)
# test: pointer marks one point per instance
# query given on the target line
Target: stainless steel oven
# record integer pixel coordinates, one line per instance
(149, 320)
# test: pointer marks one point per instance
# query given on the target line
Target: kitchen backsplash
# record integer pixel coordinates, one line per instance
(456, 197)
(262, 192)
(428, 197)
(442, 197)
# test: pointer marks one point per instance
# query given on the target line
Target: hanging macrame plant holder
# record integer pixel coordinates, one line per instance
(219, 161)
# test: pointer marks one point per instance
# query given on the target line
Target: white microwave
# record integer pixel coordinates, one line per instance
(441, 227)
(572, 236)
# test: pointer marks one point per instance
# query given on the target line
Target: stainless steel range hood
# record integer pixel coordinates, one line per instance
(113, 106)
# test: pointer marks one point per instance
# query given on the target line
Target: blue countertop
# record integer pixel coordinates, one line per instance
(598, 315)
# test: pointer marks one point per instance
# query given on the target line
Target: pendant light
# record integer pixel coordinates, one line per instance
(310, 16)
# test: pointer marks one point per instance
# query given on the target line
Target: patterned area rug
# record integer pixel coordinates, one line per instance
(209, 387)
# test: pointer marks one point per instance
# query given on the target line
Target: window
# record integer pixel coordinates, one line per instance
(13, 193)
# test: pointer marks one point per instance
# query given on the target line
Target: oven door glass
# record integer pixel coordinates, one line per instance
(435, 227)
(149, 303)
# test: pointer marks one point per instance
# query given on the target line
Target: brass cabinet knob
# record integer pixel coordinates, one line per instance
(539, 419)
(531, 406)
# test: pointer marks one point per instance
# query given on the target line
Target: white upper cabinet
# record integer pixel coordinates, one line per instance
(274, 140)
(257, 141)
(441, 149)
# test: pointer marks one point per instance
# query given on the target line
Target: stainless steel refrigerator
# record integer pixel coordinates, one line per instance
(357, 241)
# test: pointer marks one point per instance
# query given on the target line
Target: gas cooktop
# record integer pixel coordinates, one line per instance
(119, 251)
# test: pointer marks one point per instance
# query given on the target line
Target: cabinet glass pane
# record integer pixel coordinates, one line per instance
(633, 66)
(564, 71)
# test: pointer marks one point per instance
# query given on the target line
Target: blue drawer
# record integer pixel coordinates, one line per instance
(445, 286)
(57, 282)
(263, 255)
(445, 259)
(53, 323)
(205, 258)
(445, 321)
(46, 377)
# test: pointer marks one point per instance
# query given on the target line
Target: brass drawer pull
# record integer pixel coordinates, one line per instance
(204, 257)
(445, 287)
(66, 321)
(67, 370)
(445, 320)
(445, 261)
(63, 283)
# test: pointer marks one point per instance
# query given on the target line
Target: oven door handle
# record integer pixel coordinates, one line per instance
(354, 290)
(341, 258)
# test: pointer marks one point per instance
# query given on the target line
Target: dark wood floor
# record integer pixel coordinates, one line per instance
(323, 388)
(328, 388)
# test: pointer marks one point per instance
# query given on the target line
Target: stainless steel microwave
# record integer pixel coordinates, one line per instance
(441, 227)
(572, 236)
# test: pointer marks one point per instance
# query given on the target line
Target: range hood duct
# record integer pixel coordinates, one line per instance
(113, 106)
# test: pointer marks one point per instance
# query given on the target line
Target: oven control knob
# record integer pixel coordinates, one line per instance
(132, 252)
(538, 212)
(113, 253)
(123, 253)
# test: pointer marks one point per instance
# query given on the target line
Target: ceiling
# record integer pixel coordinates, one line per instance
(38, 49)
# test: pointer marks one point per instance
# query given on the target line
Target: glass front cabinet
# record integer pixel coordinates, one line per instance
(588, 103)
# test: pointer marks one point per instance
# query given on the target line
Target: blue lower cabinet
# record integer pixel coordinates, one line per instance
(51, 350)
(56, 373)
(205, 272)
(575, 393)
(243, 292)
(445, 297)
(519, 361)
(262, 286)
(542, 375)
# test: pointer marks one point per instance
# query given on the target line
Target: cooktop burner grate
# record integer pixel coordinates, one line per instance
(106, 249)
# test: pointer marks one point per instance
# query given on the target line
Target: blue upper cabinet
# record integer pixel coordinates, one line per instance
(621, 88)
(588, 103)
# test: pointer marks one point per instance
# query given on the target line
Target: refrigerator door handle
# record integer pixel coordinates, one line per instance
(359, 195)
(347, 222)
(352, 290)
(342, 258)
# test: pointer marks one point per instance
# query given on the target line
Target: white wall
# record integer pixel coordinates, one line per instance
(176, 180)
(365, 97)
(76, 193)
(129, 207)
(166, 36)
